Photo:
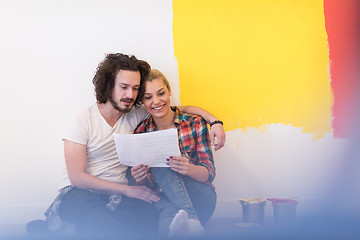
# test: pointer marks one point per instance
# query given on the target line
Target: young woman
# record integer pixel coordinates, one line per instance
(187, 198)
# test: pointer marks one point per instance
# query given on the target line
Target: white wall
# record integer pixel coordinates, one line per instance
(277, 161)
(49, 53)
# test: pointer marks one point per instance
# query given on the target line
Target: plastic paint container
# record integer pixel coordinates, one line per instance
(253, 210)
(284, 209)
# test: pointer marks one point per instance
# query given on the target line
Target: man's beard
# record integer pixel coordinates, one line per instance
(117, 107)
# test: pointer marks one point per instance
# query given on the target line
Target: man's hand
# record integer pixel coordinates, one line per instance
(142, 193)
(140, 173)
(217, 130)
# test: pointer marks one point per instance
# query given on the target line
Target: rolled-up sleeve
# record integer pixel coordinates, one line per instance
(203, 148)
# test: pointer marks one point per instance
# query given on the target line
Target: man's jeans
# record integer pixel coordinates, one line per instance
(88, 211)
(182, 192)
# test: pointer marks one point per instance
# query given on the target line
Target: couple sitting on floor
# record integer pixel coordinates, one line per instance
(97, 198)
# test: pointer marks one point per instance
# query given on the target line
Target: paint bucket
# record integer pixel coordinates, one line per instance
(284, 210)
(253, 210)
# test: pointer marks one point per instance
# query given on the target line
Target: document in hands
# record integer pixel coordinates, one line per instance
(150, 149)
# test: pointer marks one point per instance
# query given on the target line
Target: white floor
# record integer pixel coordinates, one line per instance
(12, 231)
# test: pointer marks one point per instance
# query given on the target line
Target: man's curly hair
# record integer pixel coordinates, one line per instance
(104, 79)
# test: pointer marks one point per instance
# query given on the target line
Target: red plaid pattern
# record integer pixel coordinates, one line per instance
(194, 141)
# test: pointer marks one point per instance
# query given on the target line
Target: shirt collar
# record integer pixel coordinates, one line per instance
(177, 119)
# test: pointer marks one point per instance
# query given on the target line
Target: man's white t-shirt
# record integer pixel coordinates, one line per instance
(90, 128)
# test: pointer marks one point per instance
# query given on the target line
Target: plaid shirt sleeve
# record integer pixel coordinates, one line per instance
(203, 148)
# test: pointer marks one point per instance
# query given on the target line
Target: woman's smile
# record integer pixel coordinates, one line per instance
(159, 107)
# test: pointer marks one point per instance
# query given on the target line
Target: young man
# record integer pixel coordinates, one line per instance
(96, 197)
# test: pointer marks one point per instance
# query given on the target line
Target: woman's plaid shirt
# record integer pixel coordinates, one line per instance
(194, 141)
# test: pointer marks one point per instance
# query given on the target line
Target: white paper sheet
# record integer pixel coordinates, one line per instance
(150, 149)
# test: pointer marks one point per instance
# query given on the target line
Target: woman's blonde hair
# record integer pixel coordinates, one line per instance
(154, 74)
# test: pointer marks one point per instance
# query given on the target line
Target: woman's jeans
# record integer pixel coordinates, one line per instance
(182, 192)
(88, 211)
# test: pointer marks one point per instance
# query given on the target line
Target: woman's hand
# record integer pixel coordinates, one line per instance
(217, 130)
(179, 164)
(142, 193)
(183, 166)
(139, 173)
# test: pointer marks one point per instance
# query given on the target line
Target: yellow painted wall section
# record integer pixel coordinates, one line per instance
(255, 62)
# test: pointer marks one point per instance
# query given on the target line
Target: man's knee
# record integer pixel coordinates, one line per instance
(77, 202)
